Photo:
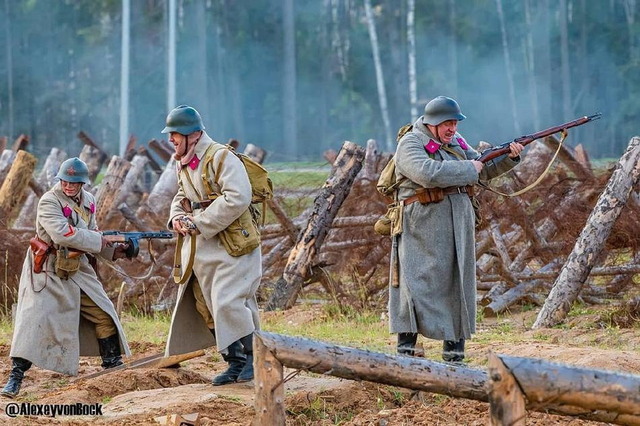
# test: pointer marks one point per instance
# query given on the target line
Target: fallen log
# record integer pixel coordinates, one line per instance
(590, 394)
(326, 206)
(591, 241)
(161, 149)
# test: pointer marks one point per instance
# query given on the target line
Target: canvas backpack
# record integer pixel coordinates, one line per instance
(387, 182)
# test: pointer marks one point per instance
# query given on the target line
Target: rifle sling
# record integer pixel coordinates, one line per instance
(537, 181)
(179, 278)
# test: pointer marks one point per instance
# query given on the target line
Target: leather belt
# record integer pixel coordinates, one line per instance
(434, 195)
(200, 204)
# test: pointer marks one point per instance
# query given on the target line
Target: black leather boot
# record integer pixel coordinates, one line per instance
(246, 375)
(453, 351)
(19, 367)
(236, 359)
(407, 343)
(110, 351)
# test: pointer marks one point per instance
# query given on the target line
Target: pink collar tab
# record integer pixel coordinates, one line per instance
(432, 146)
(462, 143)
(66, 211)
(92, 208)
(193, 164)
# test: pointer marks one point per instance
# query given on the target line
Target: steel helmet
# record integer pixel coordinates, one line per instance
(441, 109)
(74, 170)
(184, 120)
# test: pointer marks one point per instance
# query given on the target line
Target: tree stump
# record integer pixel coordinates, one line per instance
(155, 209)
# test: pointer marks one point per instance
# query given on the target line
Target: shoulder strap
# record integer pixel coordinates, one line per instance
(208, 158)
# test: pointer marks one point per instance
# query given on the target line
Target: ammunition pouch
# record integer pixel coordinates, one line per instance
(66, 266)
(40, 251)
(242, 236)
(391, 222)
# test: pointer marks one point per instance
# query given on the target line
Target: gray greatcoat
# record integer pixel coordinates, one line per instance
(228, 283)
(49, 330)
(436, 296)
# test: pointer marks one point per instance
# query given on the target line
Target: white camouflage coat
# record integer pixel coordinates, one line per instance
(436, 296)
(228, 283)
(49, 330)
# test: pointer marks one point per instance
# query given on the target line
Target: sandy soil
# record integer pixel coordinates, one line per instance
(141, 396)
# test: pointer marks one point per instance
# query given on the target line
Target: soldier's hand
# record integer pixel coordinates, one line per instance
(106, 242)
(478, 165)
(120, 251)
(515, 149)
(179, 225)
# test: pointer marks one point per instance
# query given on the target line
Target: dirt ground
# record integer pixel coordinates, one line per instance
(141, 396)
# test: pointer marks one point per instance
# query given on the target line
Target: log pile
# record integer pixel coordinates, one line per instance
(330, 250)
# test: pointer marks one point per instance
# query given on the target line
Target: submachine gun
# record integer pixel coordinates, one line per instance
(132, 239)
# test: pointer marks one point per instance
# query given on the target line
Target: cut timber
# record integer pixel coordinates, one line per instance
(46, 179)
(506, 401)
(20, 143)
(94, 159)
(290, 228)
(591, 241)
(162, 150)
(92, 154)
(326, 206)
(15, 187)
(153, 361)
(155, 208)
(128, 191)
(589, 394)
(110, 187)
(6, 159)
(269, 395)
(256, 153)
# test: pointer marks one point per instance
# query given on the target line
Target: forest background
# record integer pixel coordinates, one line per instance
(299, 77)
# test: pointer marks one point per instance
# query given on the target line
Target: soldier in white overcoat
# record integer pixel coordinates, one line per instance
(216, 302)
(63, 311)
(435, 294)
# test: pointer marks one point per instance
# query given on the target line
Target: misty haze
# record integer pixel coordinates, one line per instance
(300, 77)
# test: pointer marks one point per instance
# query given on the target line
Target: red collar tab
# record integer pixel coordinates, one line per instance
(432, 146)
(193, 164)
(462, 143)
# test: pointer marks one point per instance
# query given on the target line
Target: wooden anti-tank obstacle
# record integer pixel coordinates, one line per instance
(513, 383)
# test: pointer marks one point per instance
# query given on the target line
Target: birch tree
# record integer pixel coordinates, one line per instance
(411, 56)
(507, 62)
(630, 15)
(289, 76)
(530, 64)
(564, 60)
(382, 93)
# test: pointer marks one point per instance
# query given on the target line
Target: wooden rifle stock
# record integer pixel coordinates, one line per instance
(491, 153)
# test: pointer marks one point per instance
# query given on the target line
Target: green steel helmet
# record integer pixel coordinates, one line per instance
(441, 109)
(184, 120)
(74, 170)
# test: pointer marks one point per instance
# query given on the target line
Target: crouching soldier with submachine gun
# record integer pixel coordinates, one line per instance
(63, 311)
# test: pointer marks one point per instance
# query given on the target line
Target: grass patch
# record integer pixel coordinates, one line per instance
(298, 179)
(146, 328)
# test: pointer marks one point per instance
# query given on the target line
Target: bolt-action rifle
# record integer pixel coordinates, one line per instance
(491, 153)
